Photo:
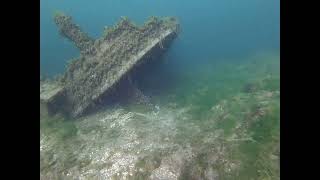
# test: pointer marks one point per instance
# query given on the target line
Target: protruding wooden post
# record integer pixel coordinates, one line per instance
(73, 32)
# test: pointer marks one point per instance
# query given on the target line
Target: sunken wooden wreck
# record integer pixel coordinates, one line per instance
(104, 63)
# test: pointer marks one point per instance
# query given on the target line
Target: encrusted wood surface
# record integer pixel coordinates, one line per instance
(104, 62)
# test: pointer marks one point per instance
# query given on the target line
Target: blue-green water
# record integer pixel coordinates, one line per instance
(211, 29)
(217, 92)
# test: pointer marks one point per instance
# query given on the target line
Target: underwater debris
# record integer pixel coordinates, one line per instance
(250, 88)
(107, 62)
(51, 94)
(73, 32)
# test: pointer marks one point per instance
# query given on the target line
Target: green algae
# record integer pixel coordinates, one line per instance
(58, 126)
(242, 127)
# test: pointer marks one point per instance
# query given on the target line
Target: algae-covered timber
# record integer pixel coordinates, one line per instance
(51, 96)
(107, 62)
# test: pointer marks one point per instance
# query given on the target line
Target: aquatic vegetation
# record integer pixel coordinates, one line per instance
(59, 126)
(169, 144)
(231, 135)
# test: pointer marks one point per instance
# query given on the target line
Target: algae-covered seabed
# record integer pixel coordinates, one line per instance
(218, 121)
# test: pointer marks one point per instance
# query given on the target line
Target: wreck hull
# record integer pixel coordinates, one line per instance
(152, 52)
(106, 63)
(52, 98)
(155, 49)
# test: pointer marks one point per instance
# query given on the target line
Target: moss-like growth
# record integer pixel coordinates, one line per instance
(124, 24)
(57, 14)
(104, 62)
(73, 32)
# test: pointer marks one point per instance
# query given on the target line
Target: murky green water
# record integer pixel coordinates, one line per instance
(223, 123)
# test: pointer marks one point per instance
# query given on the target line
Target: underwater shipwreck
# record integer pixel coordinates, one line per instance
(103, 70)
(225, 126)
